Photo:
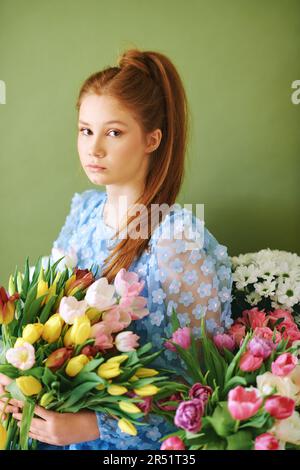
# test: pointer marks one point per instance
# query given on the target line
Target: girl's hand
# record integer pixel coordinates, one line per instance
(13, 405)
(62, 429)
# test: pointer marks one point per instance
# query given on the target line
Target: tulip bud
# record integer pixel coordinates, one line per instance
(100, 387)
(58, 358)
(46, 399)
(81, 330)
(109, 370)
(32, 332)
(146, 390)
(52, 328)
(20, 279)
(76, 364)
(3, 437)
(7, 306)
(68, 338)
(134, 378)
(93, 314)
(117, 359)
(116, 390)
(129, 407)
(144, 372)
(127, 427)
(19, 342)
(29, 385)
(42, 289)
(11, 285)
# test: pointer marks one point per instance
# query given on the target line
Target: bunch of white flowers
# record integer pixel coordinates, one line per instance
(272, 275)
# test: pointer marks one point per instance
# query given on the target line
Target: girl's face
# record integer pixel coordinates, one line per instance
(119, 147)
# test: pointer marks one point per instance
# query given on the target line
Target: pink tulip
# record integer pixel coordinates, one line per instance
(266, 442)
(284, 364)
(266, 333)
(238, 332)
(279, 313)
(243, 403)
(117, 319)
(254, 318)
(126, 341)
(224, 341)
(280, 407)
(135, 306)
(249, 363)
(127, 283)
(173, 443)
(102, 334)
(182, 337)
(260, 347)
(292, 334)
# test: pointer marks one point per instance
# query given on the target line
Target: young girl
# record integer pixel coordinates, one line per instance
(132, 134)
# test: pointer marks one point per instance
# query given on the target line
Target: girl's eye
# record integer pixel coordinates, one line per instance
(83, 131)
(118, 132)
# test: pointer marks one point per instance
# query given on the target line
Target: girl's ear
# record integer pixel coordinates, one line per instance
(153, 140)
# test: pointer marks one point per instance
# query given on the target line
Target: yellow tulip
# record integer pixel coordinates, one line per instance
(108, 371)
(144, 372)
(3, 437)
(134, 378)
(32, 332)
(29, 385)
(42, 290)
(69, 282)
(100, 387)
(116, 390)
(68, 338)
(117, 359)
(20, 279)
(76, 364)
(19, 342)
(146, 391)
(93, 314)
(129, 407)
(127, 427)
(52, 328)
(81, 330)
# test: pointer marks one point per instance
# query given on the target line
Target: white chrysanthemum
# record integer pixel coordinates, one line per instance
(265, 288)
(245, 275)
(253, 298)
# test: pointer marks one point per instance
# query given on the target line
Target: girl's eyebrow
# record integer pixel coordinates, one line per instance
(107, 122)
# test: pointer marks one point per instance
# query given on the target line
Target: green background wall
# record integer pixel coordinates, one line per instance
(237, 58)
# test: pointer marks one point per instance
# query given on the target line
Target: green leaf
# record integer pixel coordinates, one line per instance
(37, 270)
(45, 313)
(27, 415)
(221, 420)
(26, 282)
(15, 391)
(241, 440)
(77, 394)
(174, 320)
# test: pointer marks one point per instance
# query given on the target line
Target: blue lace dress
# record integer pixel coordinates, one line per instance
(178, 272)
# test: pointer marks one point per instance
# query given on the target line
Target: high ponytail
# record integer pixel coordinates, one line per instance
(147, 84)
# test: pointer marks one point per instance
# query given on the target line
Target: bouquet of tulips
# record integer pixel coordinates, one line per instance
(66, 347)
(268, 280)
(244, 392)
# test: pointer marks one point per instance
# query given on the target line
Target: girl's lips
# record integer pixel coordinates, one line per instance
(96, 167)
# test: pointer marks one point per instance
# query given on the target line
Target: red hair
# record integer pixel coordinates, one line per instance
(149, 86)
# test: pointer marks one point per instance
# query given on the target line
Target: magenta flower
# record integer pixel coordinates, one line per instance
(249, 363)
(260, 347)
(182, 337)
(201, 392)
(280, 407)
(173, 443)
(188, 415)
(224, 341)
(243, 403)
(266, 442)
(284, 364)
